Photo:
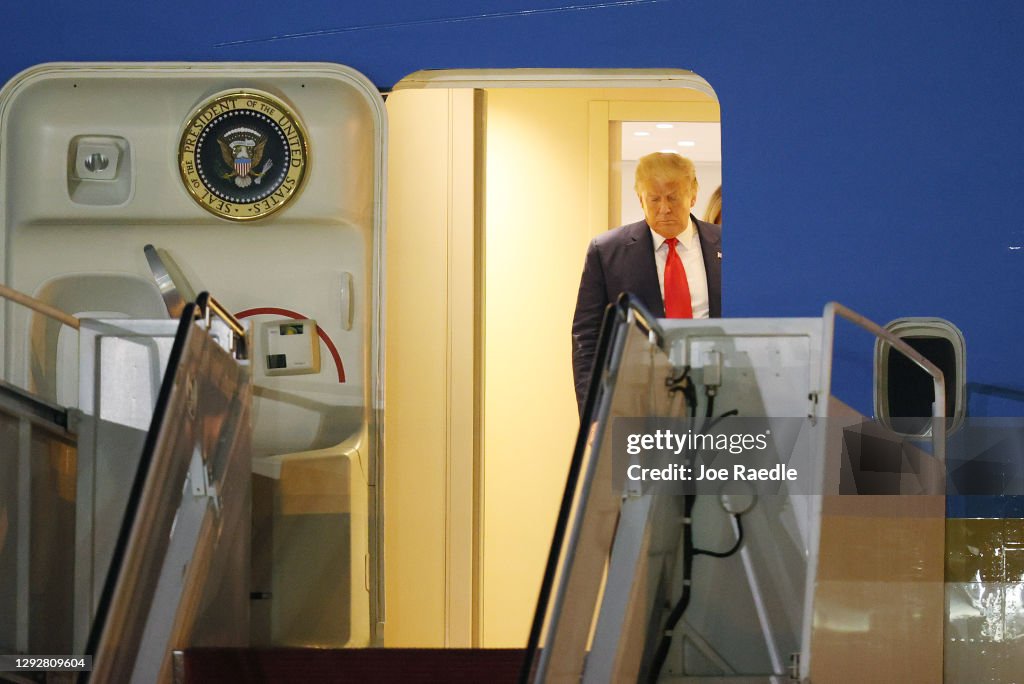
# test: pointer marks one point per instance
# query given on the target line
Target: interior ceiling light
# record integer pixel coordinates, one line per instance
(640, 133)
(686, 143)
(665, 125)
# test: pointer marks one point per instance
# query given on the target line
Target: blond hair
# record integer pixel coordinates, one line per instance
(713, 214)
(664, 166)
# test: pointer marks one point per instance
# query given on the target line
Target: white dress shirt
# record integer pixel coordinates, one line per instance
(688, 249)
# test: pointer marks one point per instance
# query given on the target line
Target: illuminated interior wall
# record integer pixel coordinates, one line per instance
(430, 438)
(543, 154)
(536, 234)
(481, 415)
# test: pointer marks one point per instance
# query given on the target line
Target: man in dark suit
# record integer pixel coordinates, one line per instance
(671, 261)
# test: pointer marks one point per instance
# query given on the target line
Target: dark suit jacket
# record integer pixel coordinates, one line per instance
(622, 260)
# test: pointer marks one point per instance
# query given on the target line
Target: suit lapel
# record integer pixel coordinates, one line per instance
(711, 250)
(641, 263)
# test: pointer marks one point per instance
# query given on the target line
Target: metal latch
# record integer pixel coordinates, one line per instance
(201, 480)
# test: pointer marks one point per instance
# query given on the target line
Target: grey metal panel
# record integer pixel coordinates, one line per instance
(643, 556)
(585, 552)
(121, 365)
(746, 612)
(183, 577)
(750, 612)
(767, 368)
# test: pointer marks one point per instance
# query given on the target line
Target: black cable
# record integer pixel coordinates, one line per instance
(709, 411)
(735, 547)
(684, 601)
(719, 419)
(674, 383)
(682, 383)
(689, 551)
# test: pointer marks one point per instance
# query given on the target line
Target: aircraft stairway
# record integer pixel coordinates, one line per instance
(683, 555)
(699, 584)
(125, 523)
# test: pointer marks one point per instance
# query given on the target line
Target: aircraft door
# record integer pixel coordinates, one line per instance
(260, 183)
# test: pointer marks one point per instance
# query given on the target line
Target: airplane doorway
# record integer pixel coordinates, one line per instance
(497, 183)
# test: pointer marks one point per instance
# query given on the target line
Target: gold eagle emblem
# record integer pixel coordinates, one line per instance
(242, 151)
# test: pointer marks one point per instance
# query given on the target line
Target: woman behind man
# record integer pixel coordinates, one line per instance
(713, 214)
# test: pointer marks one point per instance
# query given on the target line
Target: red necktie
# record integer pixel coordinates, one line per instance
(677, 291)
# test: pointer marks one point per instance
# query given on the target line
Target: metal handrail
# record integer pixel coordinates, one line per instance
(38, 306)
(833, 309)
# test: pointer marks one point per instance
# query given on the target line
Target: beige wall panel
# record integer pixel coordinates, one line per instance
(463, 350)
(546, 198)
(415, 424)
(665, 111)
(536, 235)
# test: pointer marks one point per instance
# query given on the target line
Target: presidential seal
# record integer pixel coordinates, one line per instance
(243, 155)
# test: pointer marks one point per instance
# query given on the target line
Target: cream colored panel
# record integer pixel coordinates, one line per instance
(665, 111)
(546, 197)
(599, 171)
(537, 233)
(431, 418)
(462, 350)
(415, 424)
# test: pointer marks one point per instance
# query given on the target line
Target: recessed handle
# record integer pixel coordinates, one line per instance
(347, 300)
